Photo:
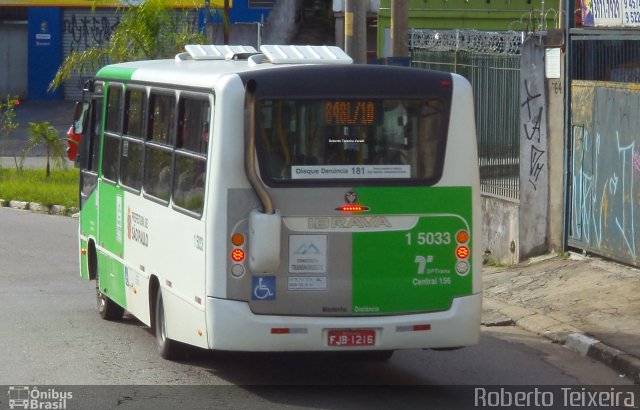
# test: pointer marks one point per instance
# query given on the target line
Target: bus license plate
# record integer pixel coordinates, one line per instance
(360, 337)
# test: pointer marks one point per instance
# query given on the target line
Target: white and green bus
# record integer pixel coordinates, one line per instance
(282, 200)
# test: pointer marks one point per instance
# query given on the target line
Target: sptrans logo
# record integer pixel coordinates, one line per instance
(25, 397)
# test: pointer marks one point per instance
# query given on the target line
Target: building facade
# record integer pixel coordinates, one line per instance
(37, 35)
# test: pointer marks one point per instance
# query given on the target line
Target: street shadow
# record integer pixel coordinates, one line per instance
(328, 380)
(295, 368)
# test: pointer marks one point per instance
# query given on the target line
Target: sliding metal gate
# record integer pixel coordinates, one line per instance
(604, 163)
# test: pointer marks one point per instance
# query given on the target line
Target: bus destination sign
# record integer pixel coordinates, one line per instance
(351, 112)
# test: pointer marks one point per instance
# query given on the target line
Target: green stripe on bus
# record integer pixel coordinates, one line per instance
(116, 73)
(412, 270)
(111, 240)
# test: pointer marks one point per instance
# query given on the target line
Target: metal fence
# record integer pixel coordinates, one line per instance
(615, 58)
(491, 63)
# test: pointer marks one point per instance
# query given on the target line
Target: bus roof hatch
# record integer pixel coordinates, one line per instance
(216, 52)
(278, 54)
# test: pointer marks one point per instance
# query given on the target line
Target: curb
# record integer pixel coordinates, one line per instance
(626, 364)
(39, 208)
(572, 338)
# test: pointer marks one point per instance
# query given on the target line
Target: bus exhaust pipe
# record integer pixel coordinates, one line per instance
(264, 227)
(250, 153)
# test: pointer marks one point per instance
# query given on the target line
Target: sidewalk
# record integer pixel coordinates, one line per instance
(588, 304)
(31, 162)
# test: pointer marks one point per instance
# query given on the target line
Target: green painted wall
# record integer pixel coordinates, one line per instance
(486, 15)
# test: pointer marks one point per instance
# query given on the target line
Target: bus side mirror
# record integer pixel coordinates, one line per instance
(264, 241)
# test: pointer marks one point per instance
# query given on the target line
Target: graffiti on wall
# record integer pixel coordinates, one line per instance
(605, 167)
(87, 31)
(83, 29)
(533, 106)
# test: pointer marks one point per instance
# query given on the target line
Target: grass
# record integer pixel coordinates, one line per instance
(488, 261)
(31, 186)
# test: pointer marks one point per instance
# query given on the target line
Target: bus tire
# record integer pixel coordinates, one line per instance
(107, 308)
(168, 349)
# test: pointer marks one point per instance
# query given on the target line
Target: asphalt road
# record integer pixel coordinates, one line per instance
(51, 334)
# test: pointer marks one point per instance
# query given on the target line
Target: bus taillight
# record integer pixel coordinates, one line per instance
(462, 237)
(237, 239)
(462, 252)
(237, 255)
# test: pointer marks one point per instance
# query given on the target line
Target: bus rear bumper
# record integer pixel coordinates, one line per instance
(232, 326)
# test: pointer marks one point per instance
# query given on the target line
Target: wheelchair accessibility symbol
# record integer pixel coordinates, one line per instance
(264, 288)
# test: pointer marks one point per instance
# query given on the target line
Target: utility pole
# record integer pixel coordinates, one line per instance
(208, 26)
(399, 28)
(226, 21)
(355, 30)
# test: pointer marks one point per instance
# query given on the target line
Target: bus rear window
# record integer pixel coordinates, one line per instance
(357, 139)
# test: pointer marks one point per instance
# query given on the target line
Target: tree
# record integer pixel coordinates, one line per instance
(41, 133)
(145, 32)
(8, 118)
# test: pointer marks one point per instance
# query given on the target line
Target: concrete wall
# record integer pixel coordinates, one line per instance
(500, 230)
(556, 141)
(245, 34)
(281, 26)
(514, 231)
(534, 160)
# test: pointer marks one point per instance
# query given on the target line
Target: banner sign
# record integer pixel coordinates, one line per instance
(631, 13)
(611, 13)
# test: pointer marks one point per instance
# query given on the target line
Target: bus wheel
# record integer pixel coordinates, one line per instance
(108, 309)
(168, 349)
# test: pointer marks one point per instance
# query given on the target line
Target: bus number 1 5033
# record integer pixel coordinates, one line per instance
(429, 238)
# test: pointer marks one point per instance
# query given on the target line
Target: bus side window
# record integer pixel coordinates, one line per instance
(160, 140)
(95, 130)
(191, 154)
(113, 121)
(189, 182)
(193, 125)
(110, 157)
(113, 130)
(132, 154)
